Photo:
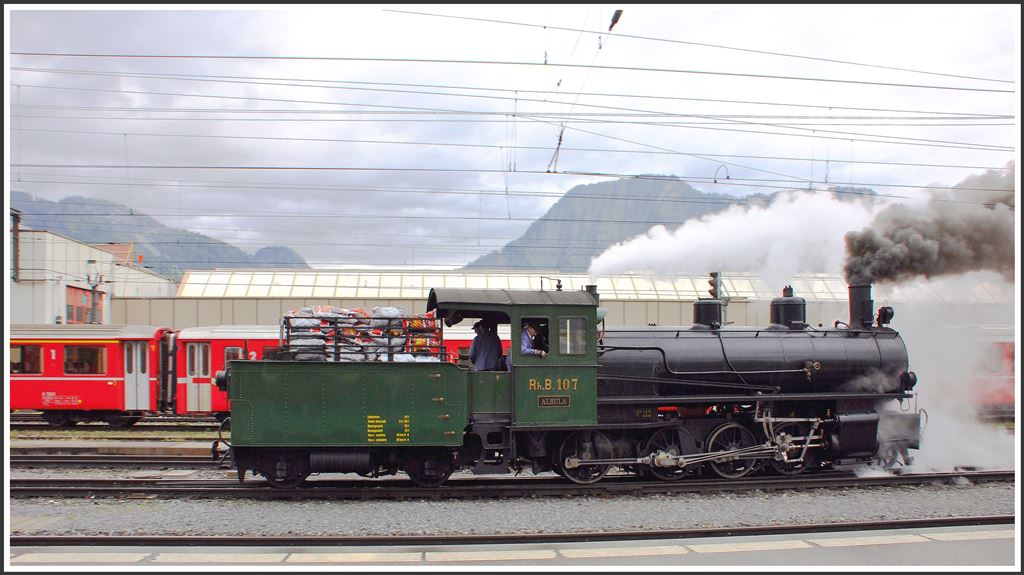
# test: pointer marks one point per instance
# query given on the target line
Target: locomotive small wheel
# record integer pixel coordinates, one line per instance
(674, 442)
(810, 458)
(289, 482)
(298, 471)
(416, 469)
(726, 437)
(584, 445)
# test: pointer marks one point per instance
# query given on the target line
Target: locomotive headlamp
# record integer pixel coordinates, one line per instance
(908, 380)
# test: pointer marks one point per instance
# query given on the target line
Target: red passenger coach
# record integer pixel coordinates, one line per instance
(202, 352)
(87, 372)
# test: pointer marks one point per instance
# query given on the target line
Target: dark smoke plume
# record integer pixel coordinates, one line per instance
(973, 232)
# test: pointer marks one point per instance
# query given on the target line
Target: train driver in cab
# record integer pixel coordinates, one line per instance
(527, 338)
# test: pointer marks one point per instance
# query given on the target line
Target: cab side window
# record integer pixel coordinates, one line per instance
(572, 336)
(537, 337)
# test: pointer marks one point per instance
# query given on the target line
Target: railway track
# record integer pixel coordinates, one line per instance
(35, 421)
(470, 488)
(184, 541)
(88, 460)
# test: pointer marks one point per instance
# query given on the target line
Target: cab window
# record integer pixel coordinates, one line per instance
(540, 340)
(572, 336)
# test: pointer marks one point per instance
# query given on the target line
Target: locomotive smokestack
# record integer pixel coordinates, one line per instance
(861, 305)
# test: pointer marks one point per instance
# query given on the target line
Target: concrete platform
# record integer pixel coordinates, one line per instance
(103, 447)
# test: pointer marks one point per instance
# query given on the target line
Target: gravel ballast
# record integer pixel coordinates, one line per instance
(513, 515)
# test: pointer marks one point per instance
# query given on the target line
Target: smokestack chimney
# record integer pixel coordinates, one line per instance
(861, 307)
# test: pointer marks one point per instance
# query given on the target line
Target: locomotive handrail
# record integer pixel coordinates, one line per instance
(676, 399)
(808, 331)
(689, 382)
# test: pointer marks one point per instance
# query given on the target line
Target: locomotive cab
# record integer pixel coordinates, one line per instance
(534, 392)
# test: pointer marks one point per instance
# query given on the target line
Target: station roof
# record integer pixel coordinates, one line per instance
(417, 283)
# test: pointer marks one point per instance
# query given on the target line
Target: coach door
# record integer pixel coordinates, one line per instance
(136, 375)
(197, 376)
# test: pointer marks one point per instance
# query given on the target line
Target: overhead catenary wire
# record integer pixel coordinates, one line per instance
(895, 139)
(719, 46)
(502, 63)
(291, 82)
(512, 167)
(704, 179)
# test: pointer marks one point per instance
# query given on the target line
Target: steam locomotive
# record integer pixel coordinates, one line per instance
(661, 402)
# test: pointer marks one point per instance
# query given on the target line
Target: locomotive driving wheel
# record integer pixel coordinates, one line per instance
(810, 458)
(673, 441)
(727, 437)
(581, 446)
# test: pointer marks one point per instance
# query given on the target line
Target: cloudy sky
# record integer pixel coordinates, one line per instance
(432, 134)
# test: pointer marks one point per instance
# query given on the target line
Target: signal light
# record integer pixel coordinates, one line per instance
(715, 281)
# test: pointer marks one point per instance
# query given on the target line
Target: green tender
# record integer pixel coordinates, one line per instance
(368, 404)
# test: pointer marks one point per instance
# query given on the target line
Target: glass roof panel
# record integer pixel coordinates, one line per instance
(475, 281)
(191, 290)
(518, 282)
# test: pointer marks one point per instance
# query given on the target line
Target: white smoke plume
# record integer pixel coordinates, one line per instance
(798, 232)
(951, 352)
(969, 228)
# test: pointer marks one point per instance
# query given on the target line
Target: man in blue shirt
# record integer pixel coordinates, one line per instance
(485, 351)
(526, 340)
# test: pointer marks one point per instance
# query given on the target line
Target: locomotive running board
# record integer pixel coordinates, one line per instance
(671, 399)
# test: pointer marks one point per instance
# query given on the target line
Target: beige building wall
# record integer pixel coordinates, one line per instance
(181, 312)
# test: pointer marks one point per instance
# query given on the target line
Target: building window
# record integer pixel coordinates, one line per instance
(79, 306)
(572, 335)
(26, 359)
(85, 359)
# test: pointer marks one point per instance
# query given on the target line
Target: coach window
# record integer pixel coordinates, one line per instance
(233, 353)
(572, 336)
(26, 359)
(85, 359)
(143, 356)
